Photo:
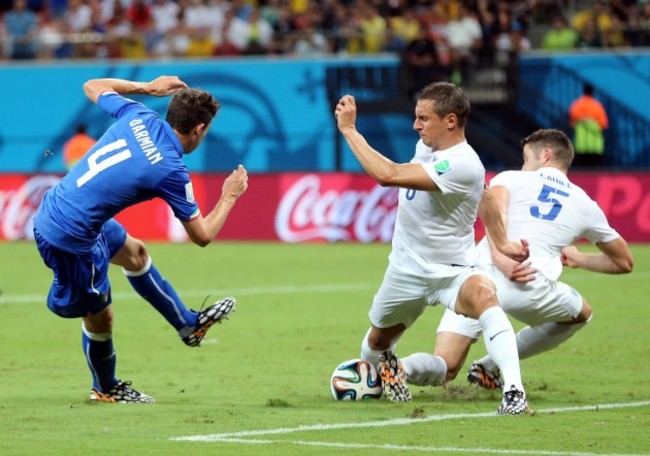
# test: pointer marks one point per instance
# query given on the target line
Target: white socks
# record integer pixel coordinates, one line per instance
(370, 355)
(532, 341)
(501, 345)
(425, 369)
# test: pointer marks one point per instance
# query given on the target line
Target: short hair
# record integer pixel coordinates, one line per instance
(588, 89)
(189, 108)
(448, 98)
(556, 140)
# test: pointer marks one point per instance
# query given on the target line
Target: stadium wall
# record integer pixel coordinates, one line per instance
(275, 114)
(308, 207)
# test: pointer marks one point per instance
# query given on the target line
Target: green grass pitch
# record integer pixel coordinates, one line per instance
(260, 382)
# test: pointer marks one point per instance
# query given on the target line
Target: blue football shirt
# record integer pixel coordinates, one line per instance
(138, 158)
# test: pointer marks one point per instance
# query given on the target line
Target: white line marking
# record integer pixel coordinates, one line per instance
(423, 448)
(250, 291)
(394, 422)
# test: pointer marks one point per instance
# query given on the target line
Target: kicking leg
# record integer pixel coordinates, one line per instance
(148, 283)
(477, 299)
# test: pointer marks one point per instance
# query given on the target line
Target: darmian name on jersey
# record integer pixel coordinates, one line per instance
(144, 140)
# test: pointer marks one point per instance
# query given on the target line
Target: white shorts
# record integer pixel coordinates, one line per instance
(402, 297)
(533, 303)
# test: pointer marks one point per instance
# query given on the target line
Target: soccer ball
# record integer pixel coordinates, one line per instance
(354, 380)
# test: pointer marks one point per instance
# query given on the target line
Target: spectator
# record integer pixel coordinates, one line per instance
(588, 119)
(509, 44)
(252, 36)
(465, 38)
(406, 26)
(77, 146)
(560, 36)
(615, 36)
(78, 16)
(373, 29)
(51, 39)
(164, 15)
(421, 60)
(598, 13)
(309, 40)
(225, 47)
(20, 25)
(590, 36)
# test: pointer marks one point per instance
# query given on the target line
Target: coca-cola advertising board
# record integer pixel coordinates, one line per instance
(300, 207)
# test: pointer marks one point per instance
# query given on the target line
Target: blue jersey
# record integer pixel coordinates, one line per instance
(137, 159)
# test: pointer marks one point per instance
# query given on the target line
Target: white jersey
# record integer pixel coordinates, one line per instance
(551, 213)
(435, 229)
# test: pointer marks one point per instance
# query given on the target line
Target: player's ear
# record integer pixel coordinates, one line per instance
(200, 129)
(452, 121)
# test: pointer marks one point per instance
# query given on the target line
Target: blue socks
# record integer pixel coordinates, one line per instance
(161, 295)
(100, 355)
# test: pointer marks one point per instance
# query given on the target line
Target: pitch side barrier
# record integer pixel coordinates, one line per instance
(309, 207)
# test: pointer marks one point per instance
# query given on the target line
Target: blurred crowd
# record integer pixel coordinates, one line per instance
(443, 36)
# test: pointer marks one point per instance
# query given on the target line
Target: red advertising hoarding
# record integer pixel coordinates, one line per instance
(300, 207)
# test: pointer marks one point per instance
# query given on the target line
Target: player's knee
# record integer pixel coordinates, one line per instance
(139, 256)
(585, 313)
(100, 323)
(477, 295)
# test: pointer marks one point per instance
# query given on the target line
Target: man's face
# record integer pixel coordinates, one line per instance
(430, 127)
(197, 137)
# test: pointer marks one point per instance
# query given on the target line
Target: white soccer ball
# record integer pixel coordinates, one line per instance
(355, 380)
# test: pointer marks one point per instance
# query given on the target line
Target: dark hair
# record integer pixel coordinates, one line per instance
(556, 140)
(588, 89)
(189, 108)
(448, 98)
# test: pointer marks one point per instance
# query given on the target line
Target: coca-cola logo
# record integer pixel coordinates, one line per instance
(17, 207)
(308, 212)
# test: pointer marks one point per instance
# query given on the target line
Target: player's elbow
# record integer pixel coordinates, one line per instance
(200, 239)
(388, 176)
(91, 90)
(626, 266)
(202, 242)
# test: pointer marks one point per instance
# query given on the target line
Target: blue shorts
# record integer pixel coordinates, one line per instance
(81, 284)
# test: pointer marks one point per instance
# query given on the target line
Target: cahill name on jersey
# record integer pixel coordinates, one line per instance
(560, 214)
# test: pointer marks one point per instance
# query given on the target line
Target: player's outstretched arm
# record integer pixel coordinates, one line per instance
(202, 230)
(159, 87)
(615, 258)
(386, 172)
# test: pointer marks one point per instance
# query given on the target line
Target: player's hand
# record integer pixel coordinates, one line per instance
(569, 255)
(235, 185)
(165, 85)
(346, 112)
(515, 250)
(522, 273)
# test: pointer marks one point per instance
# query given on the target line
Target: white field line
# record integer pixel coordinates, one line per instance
(249, 291)
(236, 436)
(424, 449)
(288, 289)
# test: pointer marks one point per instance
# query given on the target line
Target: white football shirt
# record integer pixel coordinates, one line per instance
(550, 212)
(434, 230)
